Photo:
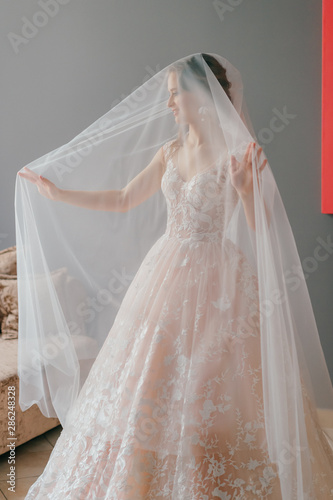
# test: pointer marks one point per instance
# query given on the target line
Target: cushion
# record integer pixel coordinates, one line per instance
(8, 306)
(69, 290)
(8, 261)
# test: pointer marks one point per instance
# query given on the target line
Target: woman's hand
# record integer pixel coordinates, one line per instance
(241, 172)
(44, 186)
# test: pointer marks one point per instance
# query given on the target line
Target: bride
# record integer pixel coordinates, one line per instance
(206, 384)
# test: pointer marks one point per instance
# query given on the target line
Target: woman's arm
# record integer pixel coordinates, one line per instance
(248, 204)
(145, 184)
(242, 181)
(139, 189)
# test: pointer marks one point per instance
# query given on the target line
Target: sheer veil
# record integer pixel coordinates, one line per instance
(75, 264)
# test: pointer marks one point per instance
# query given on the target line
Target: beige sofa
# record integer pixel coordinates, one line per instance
(32, 422)
(29, 423)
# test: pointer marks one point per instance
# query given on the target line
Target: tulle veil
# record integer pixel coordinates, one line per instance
(75, 265)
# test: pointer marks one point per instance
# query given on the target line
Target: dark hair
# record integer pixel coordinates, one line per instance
(194, 66)
(220, 72)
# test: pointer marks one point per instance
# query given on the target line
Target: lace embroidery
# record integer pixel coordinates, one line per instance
(200, 208)
(173, 405)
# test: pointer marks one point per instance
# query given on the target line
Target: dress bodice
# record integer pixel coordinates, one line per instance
(200, 208)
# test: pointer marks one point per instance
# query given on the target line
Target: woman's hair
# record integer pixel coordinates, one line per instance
(193, 66)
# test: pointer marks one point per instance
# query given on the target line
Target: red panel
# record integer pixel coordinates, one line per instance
(327, 109)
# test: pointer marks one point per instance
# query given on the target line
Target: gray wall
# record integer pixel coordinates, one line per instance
(90, 53)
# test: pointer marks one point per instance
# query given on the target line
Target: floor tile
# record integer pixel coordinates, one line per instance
(53, 434)
(325, 417)
(21, 488)
(27, 463)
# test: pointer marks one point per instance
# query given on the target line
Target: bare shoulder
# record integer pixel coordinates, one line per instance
(160, 159)
(169, 149)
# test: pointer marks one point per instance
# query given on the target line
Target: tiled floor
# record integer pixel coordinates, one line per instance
(32, 457)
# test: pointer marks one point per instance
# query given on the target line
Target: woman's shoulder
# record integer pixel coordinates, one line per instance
(170, 144)
(169, 148)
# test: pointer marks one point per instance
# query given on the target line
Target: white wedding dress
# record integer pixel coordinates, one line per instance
(173, 406)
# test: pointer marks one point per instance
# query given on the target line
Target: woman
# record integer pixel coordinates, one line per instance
(200, 390)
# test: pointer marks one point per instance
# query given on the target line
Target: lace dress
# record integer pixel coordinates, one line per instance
(173, 406)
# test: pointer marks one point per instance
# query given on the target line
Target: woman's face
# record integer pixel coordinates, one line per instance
(184, 104)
